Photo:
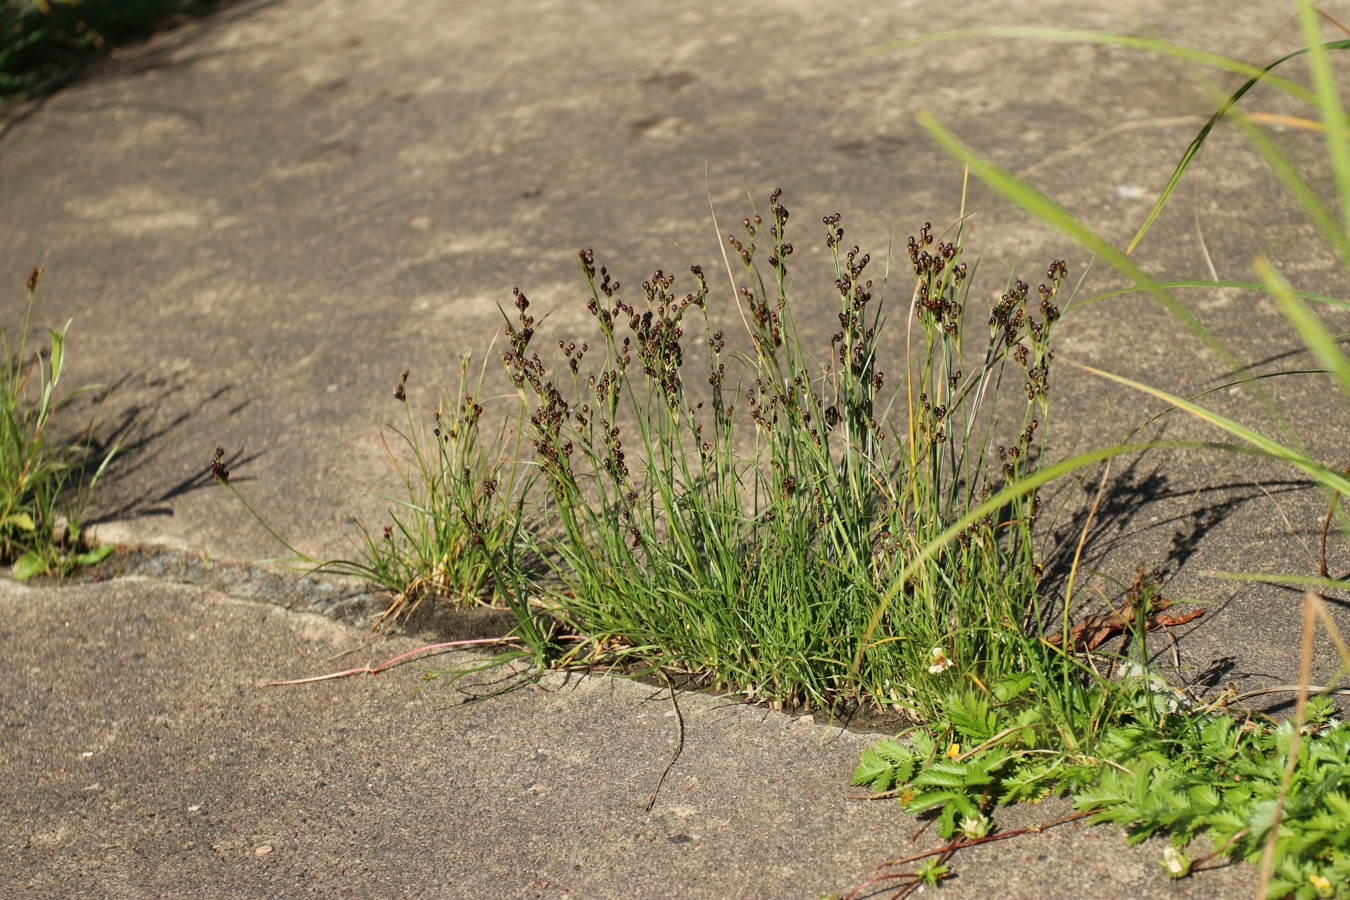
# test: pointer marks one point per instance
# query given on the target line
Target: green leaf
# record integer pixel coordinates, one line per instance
(970, 715)
(30, 564)
(1328, 101)
(1012, 686)
(884, 765)
(21, 520)
(95, 556)
(58, 353)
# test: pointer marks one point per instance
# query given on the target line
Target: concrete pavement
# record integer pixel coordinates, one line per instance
(260, 222)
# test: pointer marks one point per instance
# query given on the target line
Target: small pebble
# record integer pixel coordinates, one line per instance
(263, 850)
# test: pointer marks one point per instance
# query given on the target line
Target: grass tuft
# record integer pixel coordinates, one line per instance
(746, 514)
(44, 481)
(458, 523)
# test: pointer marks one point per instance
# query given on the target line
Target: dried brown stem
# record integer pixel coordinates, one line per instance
(393, 661)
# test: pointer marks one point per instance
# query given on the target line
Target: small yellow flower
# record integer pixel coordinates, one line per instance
(940, 662)
(953, 751)
(1323, 886)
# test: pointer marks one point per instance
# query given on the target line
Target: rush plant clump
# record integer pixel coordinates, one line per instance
(740, 512)
(454, 531)
(454, 534)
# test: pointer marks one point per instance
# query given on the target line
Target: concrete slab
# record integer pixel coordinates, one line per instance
(143, 760)
(258, 224)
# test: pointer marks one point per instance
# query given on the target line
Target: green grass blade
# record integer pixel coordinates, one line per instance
(1282, 578)
(1319, 340)
(1051, 213)
(1328, 101)
(1264, 445)
(1325, 99)
(1297, 185)
(1224, 108)
(1134, 42)
(1210, 283)
(1009, 493)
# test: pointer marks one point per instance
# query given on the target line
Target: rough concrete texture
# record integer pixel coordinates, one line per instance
(142, 759)
(258, 222)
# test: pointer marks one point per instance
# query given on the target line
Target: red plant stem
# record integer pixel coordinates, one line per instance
(874, 881)
(962, 843)
(393, 661)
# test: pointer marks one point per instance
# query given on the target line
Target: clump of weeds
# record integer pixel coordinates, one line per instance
(1135, 751)
(455, 529)
(754, 517)
(453, 535)
(44, 480)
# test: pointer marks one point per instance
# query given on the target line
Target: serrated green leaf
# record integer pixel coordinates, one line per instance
(926, 800)
(970, 715)
(943, 773)
(884, 765)
(1012, 686)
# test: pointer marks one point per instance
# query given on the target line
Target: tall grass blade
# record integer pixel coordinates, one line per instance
(1046, 210)
(1210, 283)
(1153, 45)
(1319, 340)
(1297, 186)
(1257, 442)
(1255, 75)
(1328, 103)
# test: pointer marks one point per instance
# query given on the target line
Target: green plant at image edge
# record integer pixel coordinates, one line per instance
(42, 482)
(1276, 794)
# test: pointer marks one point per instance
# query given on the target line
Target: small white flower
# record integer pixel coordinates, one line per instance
(940, 662)
(975, 827)
(1175, 863)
